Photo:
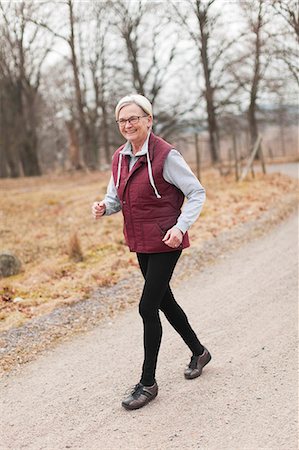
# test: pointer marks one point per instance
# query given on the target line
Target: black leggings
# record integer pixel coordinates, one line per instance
(157, 269)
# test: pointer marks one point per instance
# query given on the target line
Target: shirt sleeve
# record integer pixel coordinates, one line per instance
(111, 199)
(177, 172)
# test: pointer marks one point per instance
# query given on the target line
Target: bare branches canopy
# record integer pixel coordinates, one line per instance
(64, 65)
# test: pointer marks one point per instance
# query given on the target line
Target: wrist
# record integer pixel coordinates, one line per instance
(181, 231)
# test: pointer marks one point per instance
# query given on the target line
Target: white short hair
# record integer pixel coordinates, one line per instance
(139, 100)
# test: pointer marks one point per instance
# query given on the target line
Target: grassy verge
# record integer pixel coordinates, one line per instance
(40, 217)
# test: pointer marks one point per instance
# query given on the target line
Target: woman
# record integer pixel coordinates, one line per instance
(149, 183)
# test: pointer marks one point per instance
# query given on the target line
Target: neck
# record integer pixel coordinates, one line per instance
(137, 146)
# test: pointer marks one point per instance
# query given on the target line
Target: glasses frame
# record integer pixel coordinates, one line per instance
(123, 122)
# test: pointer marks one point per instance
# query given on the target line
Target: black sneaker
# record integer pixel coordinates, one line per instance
(196, 365)
(140, 396)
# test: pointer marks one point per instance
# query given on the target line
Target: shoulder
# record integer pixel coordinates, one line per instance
(159, 148)
(158, 141)
(116, 153)
(175, 154)
(175, 162)
(175, 157)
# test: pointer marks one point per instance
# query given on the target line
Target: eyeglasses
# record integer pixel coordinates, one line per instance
(133, 120)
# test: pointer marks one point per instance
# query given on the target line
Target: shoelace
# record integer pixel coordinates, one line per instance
(134, 391)
(193, 362)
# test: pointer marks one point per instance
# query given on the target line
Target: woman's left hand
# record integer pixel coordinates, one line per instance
(173, 237)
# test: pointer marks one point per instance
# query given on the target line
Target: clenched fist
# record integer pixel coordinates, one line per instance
(98, 209)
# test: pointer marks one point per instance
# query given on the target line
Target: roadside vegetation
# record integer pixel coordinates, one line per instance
(66, 255)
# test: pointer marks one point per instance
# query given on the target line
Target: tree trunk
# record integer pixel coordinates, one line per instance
(12, 162)
(209, 91)
(105, 135)
(74, 150)
(3, 163)
(133, 58)
(88, 157)
(212, 126)
(9, 161)
(253, 126)
(29, 158)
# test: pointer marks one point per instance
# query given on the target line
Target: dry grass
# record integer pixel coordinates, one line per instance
(75, 249)
(47, 223)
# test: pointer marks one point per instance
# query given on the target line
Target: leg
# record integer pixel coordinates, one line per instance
(157, 269)
(174, 313)
(178, 319)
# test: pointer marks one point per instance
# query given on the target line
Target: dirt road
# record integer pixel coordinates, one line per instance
(291, 169)
(245, 311)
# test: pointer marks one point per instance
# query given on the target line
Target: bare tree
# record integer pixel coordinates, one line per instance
(81, 102)
(289, 10)
(9, 151)
(72, 39)
(98, 65)
(24, 50)
(205, 23)
(255, 66)
(256, 25)
(196, 74)
(128, 21)
(251, 62)
(144, 29)
(287, 38)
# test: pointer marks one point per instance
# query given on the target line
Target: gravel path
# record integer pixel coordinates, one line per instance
(24, 344)
(244, 309)
(290, 169)
(21, 345)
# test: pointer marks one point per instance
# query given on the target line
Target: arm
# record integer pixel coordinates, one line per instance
(177, 172)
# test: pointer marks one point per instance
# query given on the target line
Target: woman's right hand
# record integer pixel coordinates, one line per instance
(98, 209)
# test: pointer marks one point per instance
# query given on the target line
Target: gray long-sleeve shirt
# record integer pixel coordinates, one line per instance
(175, 171)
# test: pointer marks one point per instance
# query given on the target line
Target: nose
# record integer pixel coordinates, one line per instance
(128, 124)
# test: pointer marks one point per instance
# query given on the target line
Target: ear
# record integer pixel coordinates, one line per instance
(149, 122)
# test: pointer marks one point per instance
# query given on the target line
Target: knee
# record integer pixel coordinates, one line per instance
(147, 312)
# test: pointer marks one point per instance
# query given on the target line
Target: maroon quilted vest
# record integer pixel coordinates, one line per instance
(147, 217)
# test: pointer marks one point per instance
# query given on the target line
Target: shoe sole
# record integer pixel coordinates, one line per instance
(188, 377)
(131, 408)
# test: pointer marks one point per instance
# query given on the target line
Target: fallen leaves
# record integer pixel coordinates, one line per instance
(7, 294)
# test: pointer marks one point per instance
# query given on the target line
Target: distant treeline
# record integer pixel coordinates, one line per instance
(204, 64)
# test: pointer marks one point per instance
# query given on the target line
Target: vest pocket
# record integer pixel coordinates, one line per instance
(151, 230)
(165, 225)
(155, 231)
(152, 236)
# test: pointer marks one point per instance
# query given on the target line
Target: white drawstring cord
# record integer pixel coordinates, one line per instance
(118, 170)
(150, 174)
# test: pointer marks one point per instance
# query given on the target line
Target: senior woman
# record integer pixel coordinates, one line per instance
(149, 182)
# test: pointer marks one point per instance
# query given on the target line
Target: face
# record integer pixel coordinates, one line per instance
(135, 133)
